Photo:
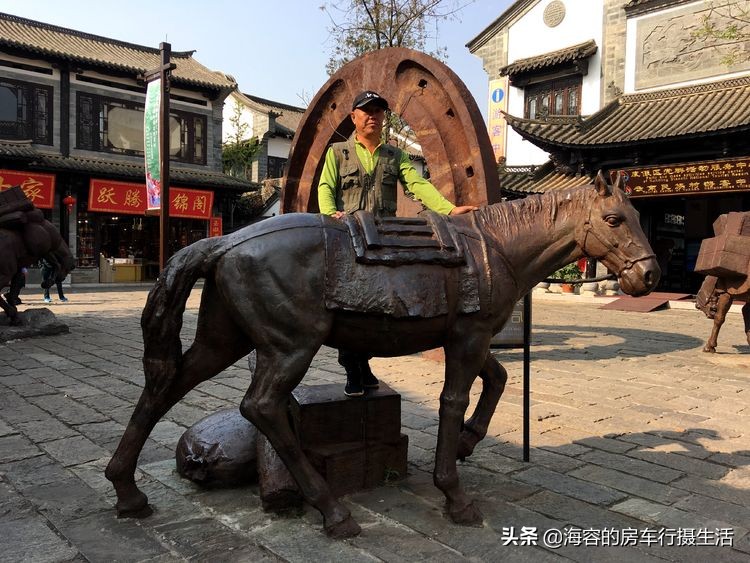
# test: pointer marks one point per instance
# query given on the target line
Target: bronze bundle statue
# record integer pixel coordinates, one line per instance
(26, 237)
(289, 285)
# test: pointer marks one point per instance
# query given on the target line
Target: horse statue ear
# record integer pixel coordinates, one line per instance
(601, 185)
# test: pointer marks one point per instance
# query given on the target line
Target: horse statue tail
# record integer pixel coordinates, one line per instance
(161, 320)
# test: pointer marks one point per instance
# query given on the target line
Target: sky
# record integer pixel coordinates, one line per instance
(275, 49)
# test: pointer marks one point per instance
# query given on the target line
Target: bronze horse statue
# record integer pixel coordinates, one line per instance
(267, 288)
(714, 300)
(26, 237)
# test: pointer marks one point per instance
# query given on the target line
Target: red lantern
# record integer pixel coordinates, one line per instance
(69, 202)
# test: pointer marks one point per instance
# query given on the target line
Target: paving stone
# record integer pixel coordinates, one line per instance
(28, 538)
(41, 431)
(16, 447)
(74, 450)
(570, 486)
(665, 494)
(636, 467)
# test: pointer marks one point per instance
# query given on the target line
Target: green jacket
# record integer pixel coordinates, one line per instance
(353, 179)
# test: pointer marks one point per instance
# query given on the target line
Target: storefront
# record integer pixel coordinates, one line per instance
(679, 204)
(114, 233)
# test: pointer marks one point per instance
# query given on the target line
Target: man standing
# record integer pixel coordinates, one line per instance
(361, 174)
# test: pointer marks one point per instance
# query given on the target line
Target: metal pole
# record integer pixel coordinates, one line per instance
(526, 373)
(166, 52)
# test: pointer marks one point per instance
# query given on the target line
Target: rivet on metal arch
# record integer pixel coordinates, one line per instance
(434, 102)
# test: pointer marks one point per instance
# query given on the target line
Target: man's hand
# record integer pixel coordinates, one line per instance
(461, 209)
(338, 215)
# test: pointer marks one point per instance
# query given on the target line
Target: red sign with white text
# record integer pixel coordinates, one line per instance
(39, 188)
(130, 198)
(215, 228)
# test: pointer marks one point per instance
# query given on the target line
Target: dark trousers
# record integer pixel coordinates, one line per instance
(47, 273)
(354, 363)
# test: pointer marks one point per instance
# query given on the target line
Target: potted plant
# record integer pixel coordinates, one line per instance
(568, 274)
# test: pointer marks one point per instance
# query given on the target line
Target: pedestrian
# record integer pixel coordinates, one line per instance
(361, 173)
(48, 270)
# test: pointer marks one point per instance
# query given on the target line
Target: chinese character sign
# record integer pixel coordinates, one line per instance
(498, 103)
(130, 198)
(688, 178)
(152, 145)
(215, 228)
(39, 188)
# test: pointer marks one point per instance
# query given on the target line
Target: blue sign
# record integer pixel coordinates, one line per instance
(497, 95)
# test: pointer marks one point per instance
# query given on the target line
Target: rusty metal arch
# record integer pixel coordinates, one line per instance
(429, 96)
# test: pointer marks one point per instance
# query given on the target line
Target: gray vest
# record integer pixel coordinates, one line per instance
(358, 190)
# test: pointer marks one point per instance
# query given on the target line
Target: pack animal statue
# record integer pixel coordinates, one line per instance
(26, 237)
(290, 284)
(725, 259)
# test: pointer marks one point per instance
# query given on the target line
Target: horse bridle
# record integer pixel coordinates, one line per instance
(610, 249)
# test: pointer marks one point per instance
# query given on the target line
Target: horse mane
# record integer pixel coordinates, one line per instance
(509, 217)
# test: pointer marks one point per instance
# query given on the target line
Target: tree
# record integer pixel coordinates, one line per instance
(726, 26)
(238, 152)
(360, 26)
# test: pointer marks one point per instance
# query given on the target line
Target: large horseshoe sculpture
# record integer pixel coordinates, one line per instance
(434, 102)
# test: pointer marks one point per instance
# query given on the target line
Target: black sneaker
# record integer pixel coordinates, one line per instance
(368, 379)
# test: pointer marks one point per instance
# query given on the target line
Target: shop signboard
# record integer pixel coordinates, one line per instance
(712, 176)
(130, 198)
(39, 188)
(215, 228)
(152, 145)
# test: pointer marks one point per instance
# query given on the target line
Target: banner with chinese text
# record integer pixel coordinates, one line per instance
(712, 176)
(130, 198)
(39, 188)
(496, 125)
(151, 144)
(215, 228)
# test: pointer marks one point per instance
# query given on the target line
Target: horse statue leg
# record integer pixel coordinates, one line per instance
(279, 369)
(494, 377)
(465, 354)
(746, 317)
(722, 307)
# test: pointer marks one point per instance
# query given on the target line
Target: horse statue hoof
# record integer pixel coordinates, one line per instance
(710, 349)
(466, 443)
(347, 528)
(136, 507)
(469, 515)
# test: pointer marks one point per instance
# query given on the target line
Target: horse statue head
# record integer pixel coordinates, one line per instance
(612, 234)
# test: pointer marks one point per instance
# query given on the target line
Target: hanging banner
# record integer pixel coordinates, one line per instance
(130, 198)
(151, 145)
(215, 228)
(496, 125)
(39, 188)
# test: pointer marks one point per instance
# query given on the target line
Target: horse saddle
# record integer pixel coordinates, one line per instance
(392, 241)
(400, 267)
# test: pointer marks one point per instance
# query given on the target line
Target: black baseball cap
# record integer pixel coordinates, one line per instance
(369, 97)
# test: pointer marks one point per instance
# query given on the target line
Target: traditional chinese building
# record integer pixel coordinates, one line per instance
(632, 86)
(71, 133)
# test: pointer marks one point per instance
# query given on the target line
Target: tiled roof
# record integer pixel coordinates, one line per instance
(132, 170)
(705, 109)
(287, 117)
(524, 180)
(635, 7)
(45, 40)
(17, 149)
(561, 56)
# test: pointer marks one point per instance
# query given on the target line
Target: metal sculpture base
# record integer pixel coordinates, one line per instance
(354, 444)
(33, 322)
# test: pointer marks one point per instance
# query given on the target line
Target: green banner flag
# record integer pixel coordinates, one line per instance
(152, 144)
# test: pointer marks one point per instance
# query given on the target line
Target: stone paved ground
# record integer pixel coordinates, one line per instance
(633, 428)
